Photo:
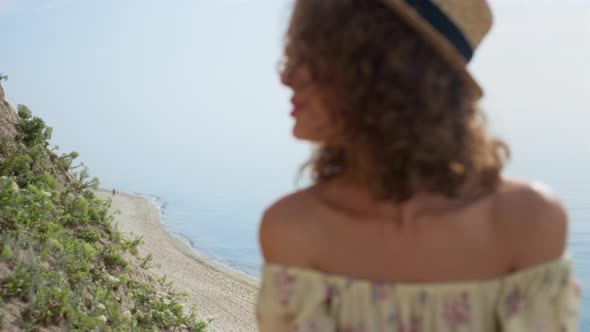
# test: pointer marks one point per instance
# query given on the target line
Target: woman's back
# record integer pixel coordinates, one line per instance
(433, 239)
(492, 263)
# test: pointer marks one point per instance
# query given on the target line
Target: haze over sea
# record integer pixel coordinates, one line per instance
(180, 100)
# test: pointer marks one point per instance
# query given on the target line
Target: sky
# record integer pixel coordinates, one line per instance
(150, 83)
(149, 90)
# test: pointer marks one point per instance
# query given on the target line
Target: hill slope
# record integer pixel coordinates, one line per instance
(64, 265)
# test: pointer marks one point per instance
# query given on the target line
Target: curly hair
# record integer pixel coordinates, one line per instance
(407, 121)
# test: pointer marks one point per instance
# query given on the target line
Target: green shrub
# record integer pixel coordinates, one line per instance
(66, 255)
(131, 245)
(7, 253)
(113, 258)
(16, 284)
(89, 234)
(146, 261)
(78, 210)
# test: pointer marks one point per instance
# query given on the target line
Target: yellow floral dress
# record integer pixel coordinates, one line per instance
(542, 298)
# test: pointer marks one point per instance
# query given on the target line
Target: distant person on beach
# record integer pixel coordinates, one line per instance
(114, 192)
(409, 224)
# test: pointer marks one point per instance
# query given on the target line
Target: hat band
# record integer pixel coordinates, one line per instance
(441, 23)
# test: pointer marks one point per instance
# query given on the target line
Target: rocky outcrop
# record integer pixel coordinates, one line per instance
(8, 117)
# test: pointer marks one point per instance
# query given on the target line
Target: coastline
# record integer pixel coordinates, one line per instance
(226, 295)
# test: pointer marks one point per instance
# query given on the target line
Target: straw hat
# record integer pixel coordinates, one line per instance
(455, 27)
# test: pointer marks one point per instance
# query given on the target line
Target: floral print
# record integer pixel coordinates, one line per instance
(456, 311)
(423, 297)
(515, 302)
(414, 325)
(381, 292)
(545, 298)
(284, 284)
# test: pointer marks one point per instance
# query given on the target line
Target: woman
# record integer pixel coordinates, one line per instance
(409, 224)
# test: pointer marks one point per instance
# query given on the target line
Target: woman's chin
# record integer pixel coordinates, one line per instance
(303, 135)
(298, 134)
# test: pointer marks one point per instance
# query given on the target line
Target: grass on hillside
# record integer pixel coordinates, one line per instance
(63, 263)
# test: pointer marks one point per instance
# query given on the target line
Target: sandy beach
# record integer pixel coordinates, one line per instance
(217, 292)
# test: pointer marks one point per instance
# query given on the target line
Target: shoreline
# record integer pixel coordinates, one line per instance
(160, 206)
(220, 292)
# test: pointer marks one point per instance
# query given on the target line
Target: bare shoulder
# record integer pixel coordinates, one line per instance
(533, 222)
(282, 234)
